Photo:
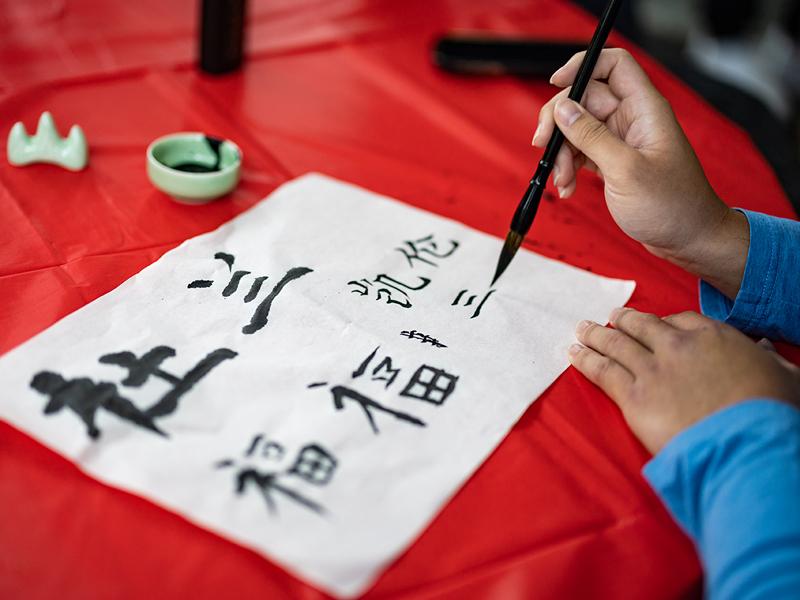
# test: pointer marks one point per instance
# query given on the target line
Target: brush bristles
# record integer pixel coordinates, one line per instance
(513, 242)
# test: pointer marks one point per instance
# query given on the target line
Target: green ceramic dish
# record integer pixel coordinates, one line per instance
(189, 168)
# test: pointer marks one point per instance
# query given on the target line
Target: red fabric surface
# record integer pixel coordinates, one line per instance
(344, 87)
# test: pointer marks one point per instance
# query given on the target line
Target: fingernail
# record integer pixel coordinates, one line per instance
(615, 315)
(567, 112)
(582, 326)
(556, 175)
(553, 76)
(574, 349)
(767, 345)
(536, 134)
(561, 192)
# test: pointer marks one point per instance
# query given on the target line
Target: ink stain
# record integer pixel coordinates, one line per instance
(195, 167)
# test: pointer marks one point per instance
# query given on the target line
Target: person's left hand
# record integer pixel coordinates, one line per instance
(667, 374)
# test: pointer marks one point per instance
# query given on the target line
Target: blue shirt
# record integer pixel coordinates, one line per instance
(732, 480)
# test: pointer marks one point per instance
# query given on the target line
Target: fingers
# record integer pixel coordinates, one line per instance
(601, 103)
(687, 321)
(645, 328)
(607, 374)
(599, 100)
(581, 162)
(568, 162)
(564, 172)
(770, 347)
(546, 126)
(593, 138)
(615, 345)
(766, 345)
(587, 164)
(625, 76)
(567, 190)
(789, 366)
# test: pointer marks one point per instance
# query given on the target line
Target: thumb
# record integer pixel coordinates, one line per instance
(589, 135)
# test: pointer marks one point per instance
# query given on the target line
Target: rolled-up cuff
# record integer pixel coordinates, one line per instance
(766, 303)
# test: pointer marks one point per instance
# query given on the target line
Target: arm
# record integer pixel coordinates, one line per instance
(727, 466)
(733, 482)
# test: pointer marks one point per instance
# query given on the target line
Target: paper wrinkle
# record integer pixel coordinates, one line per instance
(386, 487)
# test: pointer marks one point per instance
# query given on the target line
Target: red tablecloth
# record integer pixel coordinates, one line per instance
(345, 87)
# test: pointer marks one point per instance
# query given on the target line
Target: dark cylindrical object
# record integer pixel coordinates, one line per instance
(581, 81)
(221, 35)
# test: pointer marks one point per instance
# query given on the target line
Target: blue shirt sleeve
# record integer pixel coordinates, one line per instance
(732, 481)
(768, 302)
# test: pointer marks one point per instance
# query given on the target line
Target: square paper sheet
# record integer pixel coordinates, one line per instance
(313, 380)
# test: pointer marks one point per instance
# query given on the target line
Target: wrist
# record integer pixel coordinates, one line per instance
(719, 254)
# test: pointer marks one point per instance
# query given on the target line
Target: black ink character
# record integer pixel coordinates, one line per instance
(424, 249)
(470, 299)
(261, 315)
(387, 287)
(430, 384)
(424, 339)
(84, 397)
(266, 483)
(382, 372)
(341, 393)
(313, 465)
(270, 450)
(140, 369)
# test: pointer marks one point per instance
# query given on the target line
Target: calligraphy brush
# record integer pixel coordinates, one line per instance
(526, 211)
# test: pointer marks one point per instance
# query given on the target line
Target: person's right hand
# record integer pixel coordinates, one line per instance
(655, 187)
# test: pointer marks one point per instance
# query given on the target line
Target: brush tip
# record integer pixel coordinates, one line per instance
(512, 244)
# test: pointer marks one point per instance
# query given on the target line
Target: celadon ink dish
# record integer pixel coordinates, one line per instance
(192, 167)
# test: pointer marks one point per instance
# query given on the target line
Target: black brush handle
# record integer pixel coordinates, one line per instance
(581, 82)
(529, 205)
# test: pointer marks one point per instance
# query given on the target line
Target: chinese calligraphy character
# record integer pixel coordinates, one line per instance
(261, 315)
(382, 372)
(270, 449)
(430, 384)
(384, 366)
(313, 465)
(424, 339)
(84, 397)
(140, 369)
(424, 249)
(470, 299)
(342, 393)
(386, 288)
